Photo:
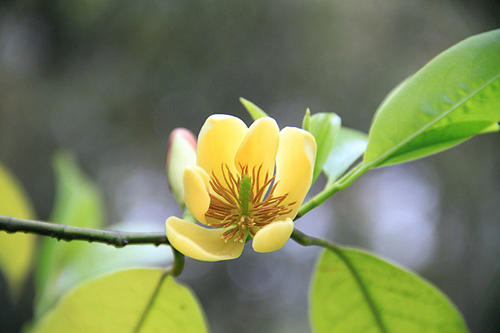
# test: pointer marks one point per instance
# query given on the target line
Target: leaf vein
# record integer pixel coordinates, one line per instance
(364, 291)
(151, 302)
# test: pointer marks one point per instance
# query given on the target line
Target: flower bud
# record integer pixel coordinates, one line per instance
(181, 154)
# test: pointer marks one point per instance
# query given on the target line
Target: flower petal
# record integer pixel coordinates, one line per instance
(294, 166)
(273, 236)
(196, 197)
(218, 141)
(200, 243)
(259, 147)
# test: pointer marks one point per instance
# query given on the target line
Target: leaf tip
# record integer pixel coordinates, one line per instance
(306, 122)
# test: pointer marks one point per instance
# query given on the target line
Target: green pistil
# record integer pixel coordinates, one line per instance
(244, 192)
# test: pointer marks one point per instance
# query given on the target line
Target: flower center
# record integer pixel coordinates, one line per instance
(244, 201)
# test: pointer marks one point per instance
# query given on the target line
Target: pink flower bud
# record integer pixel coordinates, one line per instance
(181, 153)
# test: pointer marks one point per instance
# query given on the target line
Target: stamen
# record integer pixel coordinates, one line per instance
(244, 201)
(229, 234)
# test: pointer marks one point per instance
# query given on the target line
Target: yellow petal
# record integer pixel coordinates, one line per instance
(294, 166)
(259, 147)
(196, 197)
(201, 243)
(273, 236)
(218, 141)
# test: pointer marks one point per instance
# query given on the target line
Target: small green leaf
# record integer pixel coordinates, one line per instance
(356, 292)
(78, 203)
(136, 300)
(451, 99)
(347, 148)
(324, 128)
(254, 111)
(15, 203)
(306, 121)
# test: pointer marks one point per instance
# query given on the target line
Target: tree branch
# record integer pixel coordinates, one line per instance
(69, 233)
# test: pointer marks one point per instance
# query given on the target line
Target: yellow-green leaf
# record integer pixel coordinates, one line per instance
(95, 259)
(78, 203)
(14, 202)
(136, 300)
(355, 292)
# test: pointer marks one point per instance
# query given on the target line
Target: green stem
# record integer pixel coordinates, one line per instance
(69, 233)
(178, 265)
(306, 240)
(329, 190)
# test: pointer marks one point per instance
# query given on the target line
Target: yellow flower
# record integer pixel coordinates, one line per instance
(247, 182)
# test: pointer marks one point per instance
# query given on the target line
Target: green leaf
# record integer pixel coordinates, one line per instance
(15, 203)
(324, 128)
(78, 203)
(136, 300)
(306, 121)
(451, 99)
(254, 111)
(94, 259)
(356, 292)
(347, 148)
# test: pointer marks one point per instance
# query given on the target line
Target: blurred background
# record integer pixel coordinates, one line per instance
(108, 80)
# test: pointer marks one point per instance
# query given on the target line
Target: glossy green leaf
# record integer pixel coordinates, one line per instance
(78, 203)
(347, 148)
(254, 111)
(356, 292)
(136, 300)
(451, 99)
(324, 128)
(15, 203)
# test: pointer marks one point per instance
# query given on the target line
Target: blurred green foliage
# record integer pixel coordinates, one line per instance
(16, 250)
